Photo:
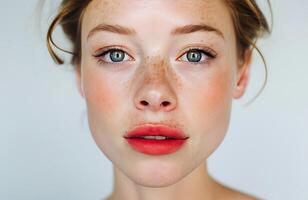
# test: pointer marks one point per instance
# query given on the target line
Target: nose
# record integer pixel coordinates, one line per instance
(155, 92)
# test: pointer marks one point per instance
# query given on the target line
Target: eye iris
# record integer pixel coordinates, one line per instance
(194, 56)
(117, 55)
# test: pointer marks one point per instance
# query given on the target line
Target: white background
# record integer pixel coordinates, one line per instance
(46, 151)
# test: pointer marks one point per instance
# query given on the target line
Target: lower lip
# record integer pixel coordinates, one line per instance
(156, 147)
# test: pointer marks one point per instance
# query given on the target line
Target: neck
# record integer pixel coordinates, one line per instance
(197, 185)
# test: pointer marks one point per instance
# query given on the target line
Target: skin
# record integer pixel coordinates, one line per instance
(199, 96)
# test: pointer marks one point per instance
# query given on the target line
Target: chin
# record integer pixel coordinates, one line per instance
(157, 174)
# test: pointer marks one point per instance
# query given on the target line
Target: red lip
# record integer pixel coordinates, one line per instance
(175, 139)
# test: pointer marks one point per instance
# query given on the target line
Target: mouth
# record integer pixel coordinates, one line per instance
(156, 139)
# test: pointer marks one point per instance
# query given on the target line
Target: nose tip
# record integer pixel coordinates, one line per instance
(155, 102)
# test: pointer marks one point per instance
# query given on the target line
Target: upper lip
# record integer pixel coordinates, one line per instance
(156, 130)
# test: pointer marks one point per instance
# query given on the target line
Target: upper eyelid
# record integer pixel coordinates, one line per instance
(205, 49)
(105, 50)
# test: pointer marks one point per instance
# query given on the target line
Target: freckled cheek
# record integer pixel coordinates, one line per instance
(210, 110)
(214, 96)
(102, 109)
(105, 104)
(219, 91)
(101, 96)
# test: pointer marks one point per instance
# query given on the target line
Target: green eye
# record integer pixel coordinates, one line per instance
(194, 56)
(117, 55)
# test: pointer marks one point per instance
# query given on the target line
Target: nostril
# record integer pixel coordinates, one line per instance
(144, 103)
(165, 103)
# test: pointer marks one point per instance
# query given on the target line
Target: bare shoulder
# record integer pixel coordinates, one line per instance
(227, 193)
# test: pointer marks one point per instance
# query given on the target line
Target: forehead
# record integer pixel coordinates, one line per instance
(143, 13)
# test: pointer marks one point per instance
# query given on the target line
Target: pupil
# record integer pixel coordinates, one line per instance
(117, 56)
(194, 56)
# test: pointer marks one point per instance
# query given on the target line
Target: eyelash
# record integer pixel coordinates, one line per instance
(206, 51)
(106, 51)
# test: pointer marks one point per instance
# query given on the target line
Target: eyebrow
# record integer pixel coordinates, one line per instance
(190, 28)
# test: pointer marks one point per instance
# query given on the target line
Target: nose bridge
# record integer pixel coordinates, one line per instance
(156, 70)
(156, 88)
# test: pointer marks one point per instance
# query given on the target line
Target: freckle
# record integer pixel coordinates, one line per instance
(164, 68)
(160, 70)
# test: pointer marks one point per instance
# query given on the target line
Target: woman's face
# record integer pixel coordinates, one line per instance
(127, 87)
